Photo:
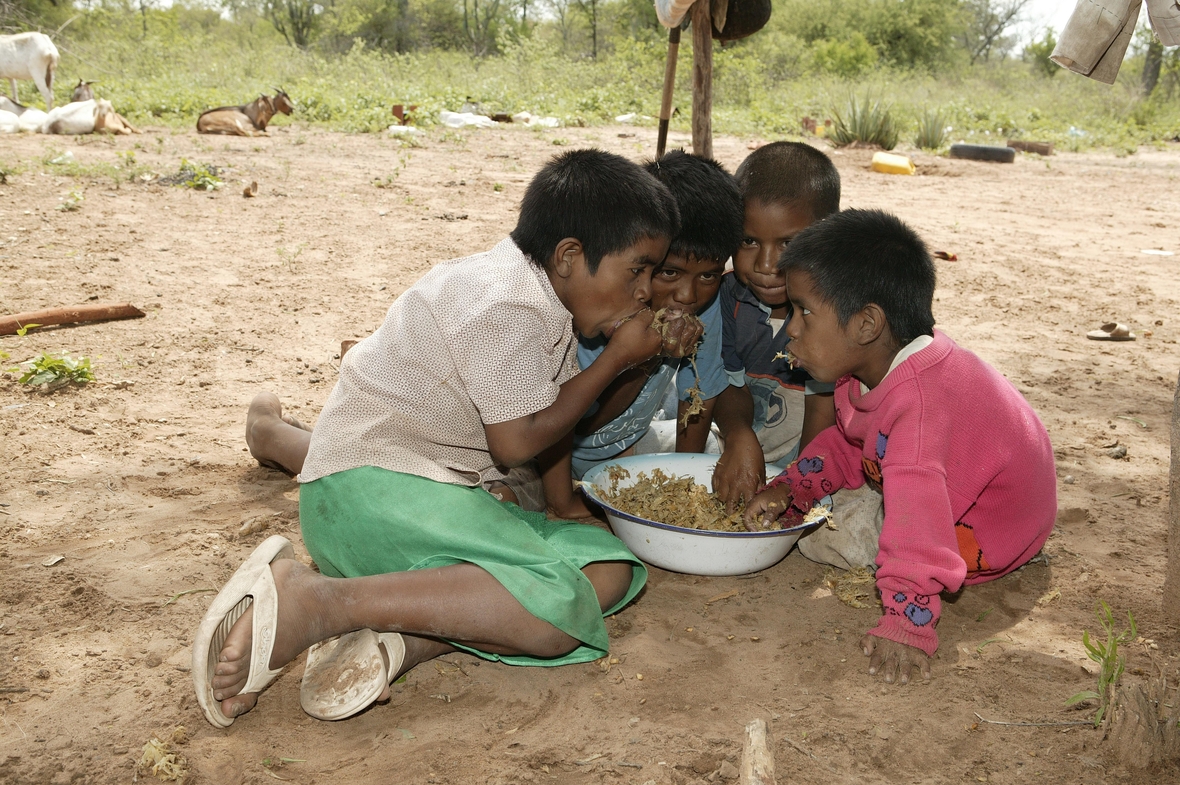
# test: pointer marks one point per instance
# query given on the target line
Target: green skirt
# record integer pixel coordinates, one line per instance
(371, 521)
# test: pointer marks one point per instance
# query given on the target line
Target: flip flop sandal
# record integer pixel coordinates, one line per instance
(1111, 331)
(253, 585)
(344, 675)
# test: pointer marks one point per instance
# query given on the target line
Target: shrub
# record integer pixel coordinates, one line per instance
(866, 121)
(931, 130)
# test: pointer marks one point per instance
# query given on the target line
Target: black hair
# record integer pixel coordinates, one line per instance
(857, 257)
(605, 201)
(791, 173)
(709, 201)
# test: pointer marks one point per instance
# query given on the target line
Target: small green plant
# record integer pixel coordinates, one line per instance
(560, 141)
(1110, 662)
(931, 130)
(57, 371)
(497, 187)
(865, 121)
(199, 177)
(71, 203)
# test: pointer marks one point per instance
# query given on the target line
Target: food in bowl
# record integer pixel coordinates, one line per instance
(677, 501)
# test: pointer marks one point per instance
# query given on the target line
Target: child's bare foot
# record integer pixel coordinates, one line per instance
(276, 440)
(299, 625)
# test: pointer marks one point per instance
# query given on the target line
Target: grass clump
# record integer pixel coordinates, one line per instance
(71, 203)
(931, 130)
(866, 121)
(1110, 662)
(57, 372)
(199, 177)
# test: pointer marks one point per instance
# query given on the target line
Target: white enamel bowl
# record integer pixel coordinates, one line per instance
(676, 548)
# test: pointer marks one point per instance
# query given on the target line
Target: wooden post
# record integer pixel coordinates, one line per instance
(757, 757)
(1172, 581)
(669, 85)
(702, 79)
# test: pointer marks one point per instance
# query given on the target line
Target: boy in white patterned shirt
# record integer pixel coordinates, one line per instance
(473, 371)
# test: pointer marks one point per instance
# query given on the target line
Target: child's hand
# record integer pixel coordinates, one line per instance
(634, 340)
(682, 333)
(741, 471)
(765, 508)
(896, 660)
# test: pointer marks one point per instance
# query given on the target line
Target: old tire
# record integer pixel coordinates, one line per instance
(983, 152)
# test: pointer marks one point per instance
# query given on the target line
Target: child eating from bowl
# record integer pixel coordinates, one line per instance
(771, 408)
(685, 284)
(473, 371)
(965, 465)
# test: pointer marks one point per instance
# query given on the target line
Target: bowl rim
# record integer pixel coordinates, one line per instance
(589, 489)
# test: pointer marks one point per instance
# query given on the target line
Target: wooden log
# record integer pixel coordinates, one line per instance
(702, 79)
(98, 312)
(1172, 581)
(669, 85)
(757, 757)
(1040, 148)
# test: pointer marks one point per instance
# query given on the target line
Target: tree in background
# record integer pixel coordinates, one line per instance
(1153, 59)
(479, 25)
(296, 20)
(987, 24)
(1037, 53)
(590, 9)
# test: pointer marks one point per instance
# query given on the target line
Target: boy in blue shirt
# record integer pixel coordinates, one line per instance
(685, 283)
(770, 410)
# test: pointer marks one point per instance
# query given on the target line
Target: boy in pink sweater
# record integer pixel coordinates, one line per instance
(964, 463)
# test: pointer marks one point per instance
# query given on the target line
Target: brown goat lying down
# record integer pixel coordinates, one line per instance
(246, 120)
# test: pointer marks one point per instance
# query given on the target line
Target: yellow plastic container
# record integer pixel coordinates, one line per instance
(888, 163)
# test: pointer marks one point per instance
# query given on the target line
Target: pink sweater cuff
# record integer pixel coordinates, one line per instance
(910, 619)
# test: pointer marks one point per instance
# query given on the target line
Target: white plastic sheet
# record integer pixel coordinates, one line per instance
(465, 120)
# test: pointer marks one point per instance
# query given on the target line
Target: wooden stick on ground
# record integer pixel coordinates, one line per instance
(669, 85)
(757, 758)
(9, 325)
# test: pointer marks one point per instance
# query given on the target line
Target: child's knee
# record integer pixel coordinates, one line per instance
(611, 580)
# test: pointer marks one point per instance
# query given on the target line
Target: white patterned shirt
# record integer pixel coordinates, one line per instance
(479, 340)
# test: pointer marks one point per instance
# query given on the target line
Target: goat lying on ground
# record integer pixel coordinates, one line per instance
(82, 91)
(95, 116)
(27, 118)
(247, 120)
(29, 56)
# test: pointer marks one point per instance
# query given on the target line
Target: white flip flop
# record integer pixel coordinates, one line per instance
(345, 674)
(252, 585)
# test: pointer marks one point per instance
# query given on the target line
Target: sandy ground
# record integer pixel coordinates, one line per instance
(142, 482)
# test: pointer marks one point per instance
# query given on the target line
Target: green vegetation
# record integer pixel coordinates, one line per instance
(866, 121)
(931, 130)
(1110, 662)
(199, 177)
(57, 371)
(586, 61)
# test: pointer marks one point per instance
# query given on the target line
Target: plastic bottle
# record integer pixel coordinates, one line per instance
(888, 163)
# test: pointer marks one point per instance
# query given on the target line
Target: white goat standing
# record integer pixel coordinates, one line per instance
(29, 56)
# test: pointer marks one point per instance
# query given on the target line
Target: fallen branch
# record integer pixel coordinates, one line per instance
(9, 325)
(1033, 724)
(757, 757)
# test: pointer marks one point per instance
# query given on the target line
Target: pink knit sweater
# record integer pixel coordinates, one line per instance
(967, 472)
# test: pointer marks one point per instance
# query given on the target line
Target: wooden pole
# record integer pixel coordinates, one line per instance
(1172, 581)
(669, 84)
(702, 79)
(9, 325)
(757, 757)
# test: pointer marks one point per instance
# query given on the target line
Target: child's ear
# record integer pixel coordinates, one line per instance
(566, 256)
(870, 324)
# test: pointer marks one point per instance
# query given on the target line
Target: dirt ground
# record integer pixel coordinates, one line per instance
(142, 481)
